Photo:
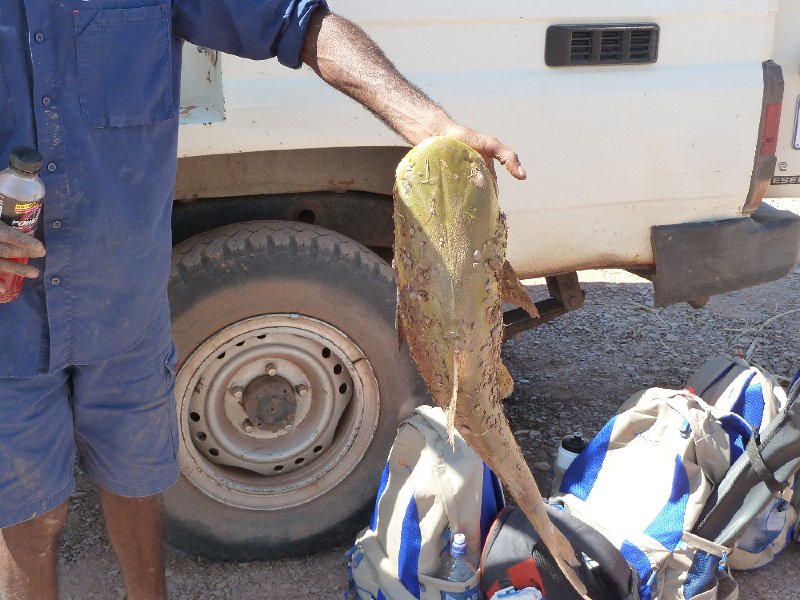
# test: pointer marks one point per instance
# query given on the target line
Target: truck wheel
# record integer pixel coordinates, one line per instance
(289, 390)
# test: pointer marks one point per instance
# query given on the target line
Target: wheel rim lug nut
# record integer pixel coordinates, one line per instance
(271, 369)
(289, 427)
(237, 392)
(302, 390)
(247, 426)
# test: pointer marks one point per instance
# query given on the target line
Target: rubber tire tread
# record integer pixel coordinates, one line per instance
(219, 276)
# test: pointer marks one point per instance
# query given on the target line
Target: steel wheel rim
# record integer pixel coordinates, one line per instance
(341, 406)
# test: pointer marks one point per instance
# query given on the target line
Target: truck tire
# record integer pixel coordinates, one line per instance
(289, 390)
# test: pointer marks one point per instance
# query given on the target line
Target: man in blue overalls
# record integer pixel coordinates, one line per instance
(86, 357)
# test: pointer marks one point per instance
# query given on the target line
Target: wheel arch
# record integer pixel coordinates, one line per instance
(346, 190)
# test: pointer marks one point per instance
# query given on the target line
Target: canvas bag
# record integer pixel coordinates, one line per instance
(643, 482)
(428, 492)
(767, 468)
(735, 385)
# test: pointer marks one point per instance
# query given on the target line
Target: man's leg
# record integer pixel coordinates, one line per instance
(135, 526)
(126, 430)
(37, 452)
(28, 554)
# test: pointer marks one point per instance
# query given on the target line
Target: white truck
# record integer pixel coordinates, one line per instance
(651, 131)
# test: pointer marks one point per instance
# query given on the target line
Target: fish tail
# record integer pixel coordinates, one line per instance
(451, 410)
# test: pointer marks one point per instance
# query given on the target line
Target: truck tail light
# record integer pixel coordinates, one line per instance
(765, 160)
(772, 122)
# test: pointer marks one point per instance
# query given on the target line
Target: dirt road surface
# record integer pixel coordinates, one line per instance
(570, 375)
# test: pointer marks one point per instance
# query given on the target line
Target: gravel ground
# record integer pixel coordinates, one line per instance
(571, 375)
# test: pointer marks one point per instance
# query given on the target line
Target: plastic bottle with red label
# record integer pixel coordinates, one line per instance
(21, 194)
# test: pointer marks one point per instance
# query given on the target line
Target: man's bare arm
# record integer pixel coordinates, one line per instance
(346, 58)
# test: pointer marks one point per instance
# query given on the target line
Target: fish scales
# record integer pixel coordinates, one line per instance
(452, 276)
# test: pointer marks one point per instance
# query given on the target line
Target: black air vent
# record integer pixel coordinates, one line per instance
(587, 45)
(643, 45)
(611, 46)
(581, 47)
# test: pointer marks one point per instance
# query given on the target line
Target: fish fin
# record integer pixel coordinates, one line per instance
(401, 332)
(513, 292)
(505, 380)
(451, 410)
(398, 323)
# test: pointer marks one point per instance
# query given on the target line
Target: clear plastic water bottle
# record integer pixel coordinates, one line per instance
(568, 450)
(456, 568)
(21, 193)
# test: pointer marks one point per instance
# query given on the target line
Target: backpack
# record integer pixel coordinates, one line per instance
(755, 395)
(513, 559)
(754, 504)
(428, 492)
(688, 488)
(643, 482)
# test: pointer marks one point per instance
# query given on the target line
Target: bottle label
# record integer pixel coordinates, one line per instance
(20, 215)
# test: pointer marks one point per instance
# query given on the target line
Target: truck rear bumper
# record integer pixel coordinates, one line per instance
(695, 260)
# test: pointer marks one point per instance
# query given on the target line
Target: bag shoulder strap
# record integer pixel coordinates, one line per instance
(761, 469)
(513, 540)
(591, 542)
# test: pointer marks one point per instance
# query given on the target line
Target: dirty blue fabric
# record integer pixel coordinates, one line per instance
(118, 414)
(93, 85)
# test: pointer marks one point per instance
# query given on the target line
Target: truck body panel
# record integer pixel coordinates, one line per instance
(610, 150)
(786, 181)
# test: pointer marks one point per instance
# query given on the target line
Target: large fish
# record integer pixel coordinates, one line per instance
(452, 276)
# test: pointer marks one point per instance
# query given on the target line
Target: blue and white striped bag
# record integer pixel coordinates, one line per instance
(651, 472)
(735, 385)
(643, 482)
(428, 492)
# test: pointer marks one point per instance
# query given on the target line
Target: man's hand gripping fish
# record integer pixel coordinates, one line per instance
(452, 276)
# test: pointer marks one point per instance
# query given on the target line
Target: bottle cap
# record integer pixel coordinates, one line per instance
(575, 443)
(459, 547)
(26, 160)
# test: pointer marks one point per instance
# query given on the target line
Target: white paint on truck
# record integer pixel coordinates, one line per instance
(610, 151)
(787, 54)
